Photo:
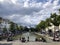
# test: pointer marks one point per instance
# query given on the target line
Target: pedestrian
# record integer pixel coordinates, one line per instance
(28, 39)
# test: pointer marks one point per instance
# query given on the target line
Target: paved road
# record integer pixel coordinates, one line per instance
(17, 42)
(36, 43)
(28, 43)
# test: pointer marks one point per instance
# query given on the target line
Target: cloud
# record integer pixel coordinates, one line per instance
(9, 9)
(28, 12)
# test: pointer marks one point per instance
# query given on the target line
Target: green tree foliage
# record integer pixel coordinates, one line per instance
(21, 28)
(41, 25)
(17, 27)
(55, 18)
(58, 19)
(12, 27)
(48, 21)
(4, 29)
(26, 29)
(53, 15)
(0, 20)
(32, 29)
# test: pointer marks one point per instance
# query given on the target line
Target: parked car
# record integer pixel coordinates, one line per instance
(1, 35)
(1, 38)
(40, 39)
(9, 39)
(23, 39)
(44, 40)
(56, 36)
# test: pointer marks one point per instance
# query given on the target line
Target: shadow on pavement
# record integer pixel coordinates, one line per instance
(6, 44)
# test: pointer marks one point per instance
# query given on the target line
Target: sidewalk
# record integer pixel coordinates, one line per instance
(44, 35)
(29, 43)
(48, 38)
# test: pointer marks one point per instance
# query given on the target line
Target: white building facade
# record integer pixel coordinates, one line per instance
(53, 28)
(4, 24)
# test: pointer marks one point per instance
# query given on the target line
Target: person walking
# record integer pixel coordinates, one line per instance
(28, 39)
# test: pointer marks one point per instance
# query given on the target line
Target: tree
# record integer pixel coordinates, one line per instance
(0, 20)
(53, 15)
(58, 19)
(41, 25)
(38, 28)
(12, 27)
(54, 19)
(26, 29)
(21, 28)
(55, 22)
(48, 21)
(32, 29)
(17, 27)
(4, 29)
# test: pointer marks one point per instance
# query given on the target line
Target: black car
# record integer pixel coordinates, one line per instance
(23, 39)
(9, 39)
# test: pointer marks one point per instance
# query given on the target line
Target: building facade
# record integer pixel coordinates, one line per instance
(53, 28)
(4, 24)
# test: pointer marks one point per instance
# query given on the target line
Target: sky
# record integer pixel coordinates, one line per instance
(28, 12)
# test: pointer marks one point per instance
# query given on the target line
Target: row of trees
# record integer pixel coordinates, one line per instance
(54, 19)
(13, 26)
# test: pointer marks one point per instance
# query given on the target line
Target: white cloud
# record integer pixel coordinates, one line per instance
(14, 1)
(26, 11)
(55, 3)
(1, 0)
(47, 4)
(26, 3)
